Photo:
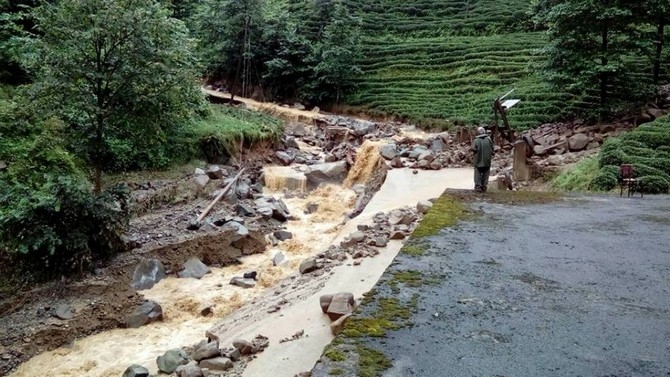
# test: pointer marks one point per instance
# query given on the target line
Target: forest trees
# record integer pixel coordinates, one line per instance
(595, 48)
(116, 71)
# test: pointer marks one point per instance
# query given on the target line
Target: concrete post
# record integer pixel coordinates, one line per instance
(521, 170)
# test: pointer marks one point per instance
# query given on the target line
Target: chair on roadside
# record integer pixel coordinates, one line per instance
(628, 181)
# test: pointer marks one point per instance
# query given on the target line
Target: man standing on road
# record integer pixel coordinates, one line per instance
(482, 146)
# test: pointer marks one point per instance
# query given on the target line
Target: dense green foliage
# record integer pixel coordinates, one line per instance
(120, 73)
(275, 49)
(646, 148)
(51, 221)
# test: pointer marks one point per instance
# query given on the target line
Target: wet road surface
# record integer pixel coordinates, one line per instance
(579, 287)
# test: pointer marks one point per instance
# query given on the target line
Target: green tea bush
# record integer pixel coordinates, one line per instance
(654, 184)
(606, 179)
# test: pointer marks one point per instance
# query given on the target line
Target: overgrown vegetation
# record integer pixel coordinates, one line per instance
(646, 148)
(446, 211)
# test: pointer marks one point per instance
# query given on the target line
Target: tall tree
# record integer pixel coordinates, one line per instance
(337, 55)
(114, 68)
(590, 42)
(229, 33)
(657, 13)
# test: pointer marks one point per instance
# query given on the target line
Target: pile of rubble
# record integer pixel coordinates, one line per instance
(205, 359)
(367, 240)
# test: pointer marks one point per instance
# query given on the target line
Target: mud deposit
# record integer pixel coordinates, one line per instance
(577, 287)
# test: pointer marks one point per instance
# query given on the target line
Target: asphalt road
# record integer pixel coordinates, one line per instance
(579, 287)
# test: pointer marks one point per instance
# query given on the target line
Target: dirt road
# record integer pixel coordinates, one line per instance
(579, 287)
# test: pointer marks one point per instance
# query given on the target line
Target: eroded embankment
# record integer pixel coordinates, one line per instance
(100, 302)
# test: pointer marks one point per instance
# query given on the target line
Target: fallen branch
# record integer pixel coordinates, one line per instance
(221, 194)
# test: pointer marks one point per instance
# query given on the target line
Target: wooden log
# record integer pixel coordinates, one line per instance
(218, 197)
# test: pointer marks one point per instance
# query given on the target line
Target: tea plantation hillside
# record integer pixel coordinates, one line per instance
(444, 62)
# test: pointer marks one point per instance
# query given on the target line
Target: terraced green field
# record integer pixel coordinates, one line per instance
(440, 63)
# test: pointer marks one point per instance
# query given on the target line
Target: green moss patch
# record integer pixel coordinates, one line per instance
(414, 249)
(372, 363)
(335, 354)
(446, 211)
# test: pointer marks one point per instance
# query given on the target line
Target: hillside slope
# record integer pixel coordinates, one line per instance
(444, 62)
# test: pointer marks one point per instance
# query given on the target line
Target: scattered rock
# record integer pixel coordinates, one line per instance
(245, 347)
(357, 236)
(172, 359)
(189, 371)
(342, 304)
(578, 142)
(218, 363)
(362, 127)
(389, 151)
(424, 206)
(326, 172)
(64, 312)
(241, 230)
(437, 145)
(291, 142)
(201, 180)
(242, 282)
(136, 371)
(362, 227)
(278, 259)
(243, 210)
(233, 354)
(398, 235)
(243, 190)
(397, 163)
(325, 301)
(206, 351)
(298, 106)
(147, 312)
(381, 241)
(308, 266)
(283, 235)
(592, 145)
(284, 157)
(147, 273)
(250, 275)
(215, 172)
(199, 171)
(296, 129)
(194, 268)
(193, 224)
(337, 326)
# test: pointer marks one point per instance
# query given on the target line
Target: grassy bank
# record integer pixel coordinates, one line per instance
(647, 148)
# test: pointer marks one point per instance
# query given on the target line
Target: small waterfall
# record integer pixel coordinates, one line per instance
(278, 178)
(367, 161)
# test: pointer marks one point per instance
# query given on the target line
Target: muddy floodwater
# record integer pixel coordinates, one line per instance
(110, 353)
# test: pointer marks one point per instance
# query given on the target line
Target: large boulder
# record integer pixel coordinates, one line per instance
(206, 351)
(194, 268)
(389, 151)
(362, 127)
(308, 266)
(285, 157)
(437, 145)
(147, 312)
(217, 363)
(578, 142)
(326, 172)
(189, 371)
(215, 172)
(171, 360)
(147, 273)
(136, 371)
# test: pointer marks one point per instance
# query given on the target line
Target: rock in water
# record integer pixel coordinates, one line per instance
(278, 259)
(194, 268)
(283, 235)
(242, 282)
(218, 363)
(146, 313)
(172, 359)
(206, 351)
(189, 371)
(326, 172)
(147, 273)
(136, 371)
